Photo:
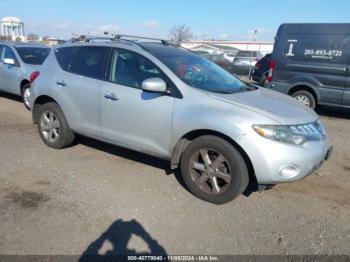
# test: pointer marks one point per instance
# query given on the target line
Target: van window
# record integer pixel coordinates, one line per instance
(317, 48)
(64, 56)
(90, 61)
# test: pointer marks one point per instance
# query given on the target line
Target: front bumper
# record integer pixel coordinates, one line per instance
(270, 159)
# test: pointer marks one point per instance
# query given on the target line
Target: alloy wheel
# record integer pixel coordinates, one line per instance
(210, 171)
(50, 126)
(26, 96)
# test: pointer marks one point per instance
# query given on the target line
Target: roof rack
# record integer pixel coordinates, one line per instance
(117, 37)
(88, 38)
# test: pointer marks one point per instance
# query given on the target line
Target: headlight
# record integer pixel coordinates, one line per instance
(296, 134)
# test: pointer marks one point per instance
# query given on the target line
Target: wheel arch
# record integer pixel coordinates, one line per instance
(186, 139)
(39, 101)
(22, 84)
(305, 87)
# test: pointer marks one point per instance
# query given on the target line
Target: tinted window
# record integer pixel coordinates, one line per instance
(90, 61)
(317, 48)
(131, 69)
(64, 56)
(197, 71)
(33, 55)
(8, 53)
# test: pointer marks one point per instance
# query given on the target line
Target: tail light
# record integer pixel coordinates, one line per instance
(257, 65)
(272, 65)
(34, 76)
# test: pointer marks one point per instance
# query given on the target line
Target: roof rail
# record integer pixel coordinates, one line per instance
(118, 37)
(88, 38)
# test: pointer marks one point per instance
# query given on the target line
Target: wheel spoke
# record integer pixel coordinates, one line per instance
(50, 134)
(198, 166)
(214, 185)
(55, 124)
(205, 157)
(46, 119)
(55, 133)
(226, 177)
(202, 179)
(45, 127)
(218, 160)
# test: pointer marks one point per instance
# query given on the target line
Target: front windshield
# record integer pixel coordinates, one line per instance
(197, 71)
(33, 55)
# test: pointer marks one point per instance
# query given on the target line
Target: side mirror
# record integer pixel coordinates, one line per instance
(9, 61)
(156, 84)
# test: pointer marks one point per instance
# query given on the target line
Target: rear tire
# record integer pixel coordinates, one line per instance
(305, 98)
(25, 95)
(53, 127)
(214, 170)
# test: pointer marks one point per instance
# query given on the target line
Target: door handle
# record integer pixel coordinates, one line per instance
(111, 97)
(61, 83)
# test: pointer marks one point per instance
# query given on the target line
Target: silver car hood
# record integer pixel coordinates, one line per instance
(276, 106)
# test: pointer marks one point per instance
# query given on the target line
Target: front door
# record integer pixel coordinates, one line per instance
(132, 117)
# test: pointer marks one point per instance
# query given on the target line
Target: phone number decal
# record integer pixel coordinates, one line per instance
(322, 53)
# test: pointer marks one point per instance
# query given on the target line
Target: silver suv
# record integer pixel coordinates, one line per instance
(18, 62)
(168, 102)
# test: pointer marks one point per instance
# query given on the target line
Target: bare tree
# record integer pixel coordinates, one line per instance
(32, 37)
(180, 33)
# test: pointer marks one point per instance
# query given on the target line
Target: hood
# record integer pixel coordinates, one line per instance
(276, 106)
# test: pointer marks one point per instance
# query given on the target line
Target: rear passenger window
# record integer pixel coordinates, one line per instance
(64, 56)
(90, 61)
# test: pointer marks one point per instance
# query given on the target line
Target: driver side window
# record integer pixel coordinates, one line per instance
(131, 69)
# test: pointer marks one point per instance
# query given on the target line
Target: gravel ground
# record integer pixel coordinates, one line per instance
(96, 198)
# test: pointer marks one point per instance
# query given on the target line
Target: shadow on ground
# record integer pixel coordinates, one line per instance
(337, 112)
(118, 236)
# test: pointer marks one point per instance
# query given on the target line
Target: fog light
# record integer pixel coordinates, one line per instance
(289, 171)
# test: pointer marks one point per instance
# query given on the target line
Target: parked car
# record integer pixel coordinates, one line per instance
(247, 58)
(311, 63)
(168, 102)
(220, 60)
(230, 56)
(261, 70)
(18, 62)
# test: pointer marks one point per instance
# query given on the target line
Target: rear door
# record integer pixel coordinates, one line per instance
(316, 59)
(10, 74)
(78, 86)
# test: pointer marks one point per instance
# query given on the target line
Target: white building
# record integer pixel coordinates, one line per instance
(12, 28)
(263, 47)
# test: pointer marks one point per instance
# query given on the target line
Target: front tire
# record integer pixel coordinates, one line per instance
(214, 170)
(26, 95)
(53, 127)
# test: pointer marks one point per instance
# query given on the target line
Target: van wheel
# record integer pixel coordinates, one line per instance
(306, 98)
(213, 170)
(53, 127)
(25, 95)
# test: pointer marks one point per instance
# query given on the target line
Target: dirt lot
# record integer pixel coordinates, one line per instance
(97, 198)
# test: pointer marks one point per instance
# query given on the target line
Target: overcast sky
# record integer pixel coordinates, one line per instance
(219, 19)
